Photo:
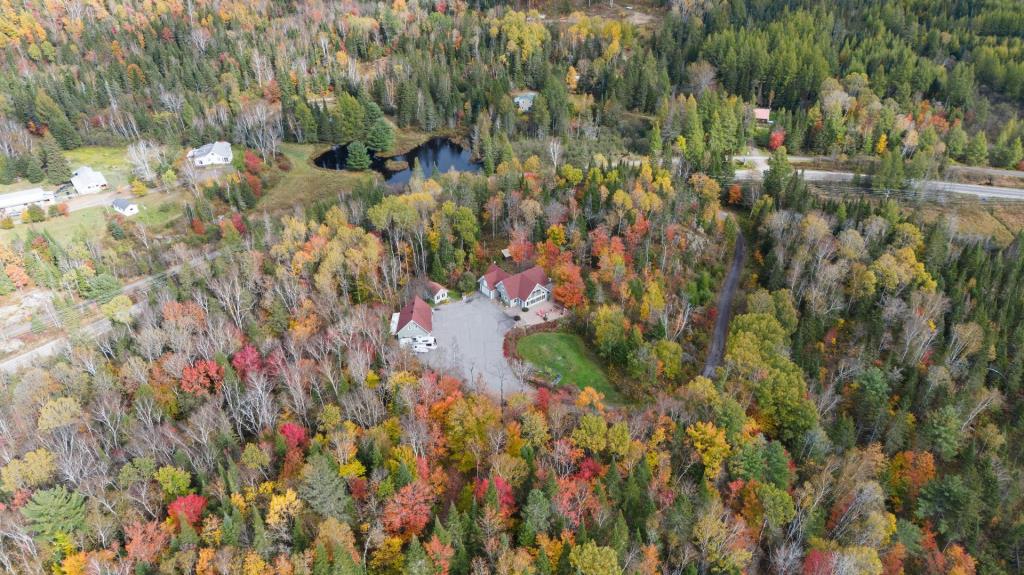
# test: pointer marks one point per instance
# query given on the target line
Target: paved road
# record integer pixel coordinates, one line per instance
(95, 327)
(759, 164)
(725, 300)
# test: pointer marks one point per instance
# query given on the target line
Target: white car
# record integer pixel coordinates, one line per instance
(420, 349)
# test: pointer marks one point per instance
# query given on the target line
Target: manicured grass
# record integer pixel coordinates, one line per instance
(306, 183)
(565, 354)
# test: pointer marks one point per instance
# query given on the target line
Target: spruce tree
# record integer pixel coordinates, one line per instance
(34, 169)
(380, 137)
(56, 166)
(56, 120)
(358, 158)
(6, 171)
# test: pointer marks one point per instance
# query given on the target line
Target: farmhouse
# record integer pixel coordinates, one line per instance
(415, 320)
(217, 153)
(436, 292)
(125, 207)
(524, 289)
(88, 181)
(14, 203)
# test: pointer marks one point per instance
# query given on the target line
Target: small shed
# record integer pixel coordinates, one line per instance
(763, 115)
(436, 292)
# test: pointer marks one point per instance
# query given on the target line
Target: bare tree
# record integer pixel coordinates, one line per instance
(555, 151)
(259, 126)
(145, 157)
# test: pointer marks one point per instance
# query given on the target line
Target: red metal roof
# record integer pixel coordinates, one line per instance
(494, 275)
(521, 285)
(418, 311)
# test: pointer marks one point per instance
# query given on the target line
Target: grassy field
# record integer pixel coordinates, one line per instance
(110, 160)
(566, 354)
(306, 183)
(155, 211)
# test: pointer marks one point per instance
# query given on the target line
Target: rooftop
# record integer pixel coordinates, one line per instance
(418, 311)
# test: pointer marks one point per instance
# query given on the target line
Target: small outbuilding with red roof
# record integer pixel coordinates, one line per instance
(414, 320)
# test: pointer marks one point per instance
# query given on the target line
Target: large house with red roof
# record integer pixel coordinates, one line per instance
(524, 289)
(415, 320)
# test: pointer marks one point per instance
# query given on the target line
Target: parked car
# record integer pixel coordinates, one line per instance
(420, 349)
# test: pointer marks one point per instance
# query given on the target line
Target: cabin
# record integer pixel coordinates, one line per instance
(435, 292)
(124, 207)
(88, 181)
(215, 154)
(523, 290)
(414, 320)
(763, 116)
(14, 203)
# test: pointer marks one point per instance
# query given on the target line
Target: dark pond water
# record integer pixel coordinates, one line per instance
(440, 153)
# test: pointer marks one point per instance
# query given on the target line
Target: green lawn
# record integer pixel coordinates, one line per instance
(112, 161)
(306, 183)
(84, 223)
(565, 354)
(156, 210)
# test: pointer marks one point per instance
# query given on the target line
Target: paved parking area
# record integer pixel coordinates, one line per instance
(470, 335)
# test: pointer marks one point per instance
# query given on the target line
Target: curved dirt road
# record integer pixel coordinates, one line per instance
(725, 300)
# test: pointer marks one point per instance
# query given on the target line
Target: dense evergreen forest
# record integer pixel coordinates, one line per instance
(251, 413)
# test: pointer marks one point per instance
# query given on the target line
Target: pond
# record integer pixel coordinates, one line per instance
(440, 153)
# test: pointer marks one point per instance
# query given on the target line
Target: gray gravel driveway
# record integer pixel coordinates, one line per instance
(469, 336)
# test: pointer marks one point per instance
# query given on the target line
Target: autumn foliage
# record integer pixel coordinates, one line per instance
(203, 377)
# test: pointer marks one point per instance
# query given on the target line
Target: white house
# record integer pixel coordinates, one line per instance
(88, 181)
(217, 153)
(436, 292)
(524, 289)
(14, 203)
(415, 320)
(125, 207)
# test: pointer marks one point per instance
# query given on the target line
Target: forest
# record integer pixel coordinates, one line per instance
(251, 413)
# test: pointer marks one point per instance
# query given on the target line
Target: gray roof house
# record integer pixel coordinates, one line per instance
(88, 181)
(125, 207)
(217, 153)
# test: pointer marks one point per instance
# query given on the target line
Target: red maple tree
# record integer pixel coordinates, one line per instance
(408, 512)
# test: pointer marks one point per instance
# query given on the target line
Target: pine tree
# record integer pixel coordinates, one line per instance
(323, 489)
(358, 158)
(618, 539)
(6, 285)
(321, 561)
(977, 150)
(56, 120)
(34, 169)
(6, 171)
(56, 166)
(380, 137)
